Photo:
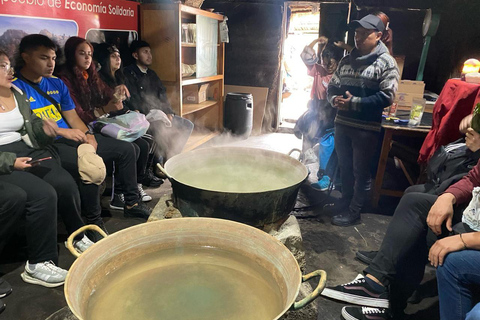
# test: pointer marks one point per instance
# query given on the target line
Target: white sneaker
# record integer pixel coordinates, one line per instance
(143, 195)
(45, 273)
(81, 245)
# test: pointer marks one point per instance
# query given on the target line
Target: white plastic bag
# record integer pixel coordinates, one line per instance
(471, 215)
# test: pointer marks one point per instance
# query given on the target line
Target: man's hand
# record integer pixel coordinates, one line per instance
(472, 139)
(50, 127)
(92, 141)
(21, 163)
(442, 247)
(72, 134)
(170, 116)
(442, 210)
(341, 102)
(466, 123)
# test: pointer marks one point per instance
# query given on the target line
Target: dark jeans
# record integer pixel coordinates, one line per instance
(89, 193)
(171, 140)
(355, 150)
(142, 150)
(111, 150)
(400, 262)
(49, 189)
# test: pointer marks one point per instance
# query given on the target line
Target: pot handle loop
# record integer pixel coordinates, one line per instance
(162, 169)
(312, 296)
(69, 242)
(296, 150)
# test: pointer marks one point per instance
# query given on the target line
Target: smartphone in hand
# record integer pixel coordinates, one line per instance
(35, 162)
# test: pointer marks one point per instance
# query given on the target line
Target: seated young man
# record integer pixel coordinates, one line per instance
(147, 94)
(35, 65)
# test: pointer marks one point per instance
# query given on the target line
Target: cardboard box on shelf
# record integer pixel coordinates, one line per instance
(213, 91)
(407, 91)
(195, 93)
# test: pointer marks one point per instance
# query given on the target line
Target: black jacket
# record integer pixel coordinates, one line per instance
(146, 90)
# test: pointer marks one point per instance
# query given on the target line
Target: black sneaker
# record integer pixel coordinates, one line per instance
(5, 288)
(346, 218)
(117, 202)
(139, 210)
(365, 313)
(2, 305)
(358, 292)
(151, 180)
(366, 256)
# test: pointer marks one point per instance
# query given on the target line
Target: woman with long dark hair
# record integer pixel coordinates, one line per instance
(93, 98)
(108, 57)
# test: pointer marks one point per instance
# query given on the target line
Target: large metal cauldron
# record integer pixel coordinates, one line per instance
(253, 186)
(90, 272)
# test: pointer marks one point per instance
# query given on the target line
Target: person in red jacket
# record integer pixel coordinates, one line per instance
(421, 221)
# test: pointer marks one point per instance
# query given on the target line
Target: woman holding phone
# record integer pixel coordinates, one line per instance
(46, 187)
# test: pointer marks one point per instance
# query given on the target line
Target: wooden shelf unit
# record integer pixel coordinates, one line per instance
(161, 27)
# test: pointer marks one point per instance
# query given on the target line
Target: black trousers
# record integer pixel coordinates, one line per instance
(400, 262)
(142, 150)
(355, 150)
(49, 190)
(122, 153)
(12, 206)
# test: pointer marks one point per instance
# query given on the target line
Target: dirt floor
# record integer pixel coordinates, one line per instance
(327, 247)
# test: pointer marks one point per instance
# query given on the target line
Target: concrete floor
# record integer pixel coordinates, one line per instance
(327, 247)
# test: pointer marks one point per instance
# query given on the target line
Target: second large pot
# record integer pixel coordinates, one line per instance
(253, 186)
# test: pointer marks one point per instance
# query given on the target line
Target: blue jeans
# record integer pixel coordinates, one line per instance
(458, 275)
(474, 314)
(355, 150)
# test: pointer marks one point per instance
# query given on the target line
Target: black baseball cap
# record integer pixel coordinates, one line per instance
(370, 22)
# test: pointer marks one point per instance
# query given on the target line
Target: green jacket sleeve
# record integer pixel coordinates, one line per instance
(42, 139)
(7, 161)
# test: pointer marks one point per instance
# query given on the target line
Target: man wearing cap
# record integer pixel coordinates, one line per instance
(364, 84)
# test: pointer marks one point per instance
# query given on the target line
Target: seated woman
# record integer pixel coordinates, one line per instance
(46, 189)
(108, 56)
(93, 98)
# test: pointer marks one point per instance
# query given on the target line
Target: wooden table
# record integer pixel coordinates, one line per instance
(390, 131)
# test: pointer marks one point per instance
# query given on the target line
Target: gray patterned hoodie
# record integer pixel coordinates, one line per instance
(372, 79)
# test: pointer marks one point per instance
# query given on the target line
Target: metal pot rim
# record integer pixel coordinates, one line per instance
(117, 236)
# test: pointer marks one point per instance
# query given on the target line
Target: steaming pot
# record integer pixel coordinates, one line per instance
(249, 185)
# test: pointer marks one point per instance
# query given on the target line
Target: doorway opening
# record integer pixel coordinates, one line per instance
(302, 27)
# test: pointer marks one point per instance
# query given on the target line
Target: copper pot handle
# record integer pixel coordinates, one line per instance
(162, 169)
(80, 230)
(312, 296)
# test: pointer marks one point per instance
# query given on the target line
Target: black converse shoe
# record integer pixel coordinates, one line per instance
(358, 292)
(365, 313)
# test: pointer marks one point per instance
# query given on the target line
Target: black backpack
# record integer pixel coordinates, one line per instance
(449, 164)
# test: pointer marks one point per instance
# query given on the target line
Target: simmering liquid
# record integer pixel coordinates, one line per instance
(187, 283)
(237, 175)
